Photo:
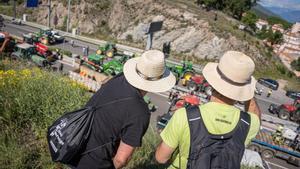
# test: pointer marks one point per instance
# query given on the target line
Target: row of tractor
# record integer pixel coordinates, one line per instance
(37, 52)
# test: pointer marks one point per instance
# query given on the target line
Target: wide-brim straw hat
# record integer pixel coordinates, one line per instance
(149, 72)
(232, 76)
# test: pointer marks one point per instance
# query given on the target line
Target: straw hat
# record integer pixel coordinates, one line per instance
(149, 72)
(232, 76)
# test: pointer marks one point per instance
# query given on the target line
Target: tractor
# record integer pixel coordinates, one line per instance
(287, 111)
(109, 49)
(112, 67)
(27, 51)
(176, 103)
(44, 51)
(197, 83)
(7, 43)
(181, 71)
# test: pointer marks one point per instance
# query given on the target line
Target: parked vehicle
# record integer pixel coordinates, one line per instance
(16, 21)
(270, 83)
(109, 49)
(112, 67)
(7, 43)
(27, 51)
(266, 144)
(287, 111)
(176, 103)
(293, 94)
(198, 83)
(182, 71)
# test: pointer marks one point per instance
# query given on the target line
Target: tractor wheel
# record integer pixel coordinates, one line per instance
(295, 116)
(14, 57)
(267, 154)
(186, 77)
(283, 114)
(254, 147)
(192, 86)
(110, 53)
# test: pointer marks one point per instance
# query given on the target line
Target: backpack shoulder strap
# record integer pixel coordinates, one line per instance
(243, 125)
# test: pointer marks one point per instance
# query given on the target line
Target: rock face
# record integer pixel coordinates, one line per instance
(128, 20)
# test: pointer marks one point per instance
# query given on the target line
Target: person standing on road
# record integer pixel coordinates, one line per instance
(120, 126)
(214, 135)
(269, 93)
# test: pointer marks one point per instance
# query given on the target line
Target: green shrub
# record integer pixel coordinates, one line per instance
(31, 99)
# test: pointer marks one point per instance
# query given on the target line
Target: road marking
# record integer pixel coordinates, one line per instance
(276, 165)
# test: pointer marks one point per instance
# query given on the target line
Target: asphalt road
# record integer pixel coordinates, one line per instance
(277, 97)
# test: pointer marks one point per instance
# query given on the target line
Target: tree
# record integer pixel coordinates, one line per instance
(296, 64)
(276, 20)
(274, 38)
(250, 19)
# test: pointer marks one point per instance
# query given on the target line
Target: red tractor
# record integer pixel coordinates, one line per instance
(287, 111)
(44, 51)
(197, 83)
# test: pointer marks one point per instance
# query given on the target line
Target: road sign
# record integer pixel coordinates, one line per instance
(154, 27)
(32, 3)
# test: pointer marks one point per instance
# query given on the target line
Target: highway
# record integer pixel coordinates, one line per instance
(277, 97)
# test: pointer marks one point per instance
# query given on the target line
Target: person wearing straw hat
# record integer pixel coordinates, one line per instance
(232, 81)
(119, 127)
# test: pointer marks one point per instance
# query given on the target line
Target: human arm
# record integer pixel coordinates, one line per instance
(123, 155)
(170, 137)
(163, 153)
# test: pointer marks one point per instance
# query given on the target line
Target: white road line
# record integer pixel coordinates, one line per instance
(276, 165)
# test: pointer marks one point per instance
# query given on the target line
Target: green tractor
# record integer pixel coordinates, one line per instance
(181, 71)
(97, 59)
(152, 107)
(27, 51)
(112, 67)
(109, 49)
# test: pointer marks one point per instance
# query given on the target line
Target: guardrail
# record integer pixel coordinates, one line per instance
(197, 68)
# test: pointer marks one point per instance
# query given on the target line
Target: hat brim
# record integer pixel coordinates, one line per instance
(164, 84)
(236, 92)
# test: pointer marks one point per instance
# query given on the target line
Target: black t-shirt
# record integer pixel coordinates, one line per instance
(125, 120)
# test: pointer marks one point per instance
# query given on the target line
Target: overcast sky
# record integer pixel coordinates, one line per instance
(289, 4)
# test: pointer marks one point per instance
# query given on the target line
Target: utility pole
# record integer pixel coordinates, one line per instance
(49, 13)
(15, 9)
(68, 19)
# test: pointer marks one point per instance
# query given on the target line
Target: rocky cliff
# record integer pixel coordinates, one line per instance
(188, 32)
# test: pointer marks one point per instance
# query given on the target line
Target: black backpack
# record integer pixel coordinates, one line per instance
(68, 135)
(209, 151)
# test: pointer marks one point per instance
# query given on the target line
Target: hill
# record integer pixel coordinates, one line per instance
(263, 12)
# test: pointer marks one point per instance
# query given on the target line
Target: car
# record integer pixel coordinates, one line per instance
(270, 83)
(16, 21)
(293, 94)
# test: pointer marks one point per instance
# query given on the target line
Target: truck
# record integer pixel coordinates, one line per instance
(287, 111)
(7, 43)
(270, 147)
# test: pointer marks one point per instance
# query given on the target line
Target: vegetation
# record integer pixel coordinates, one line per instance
(30, 100)
(250, 19)
(234, 7)
(277, 20)
(296, 64)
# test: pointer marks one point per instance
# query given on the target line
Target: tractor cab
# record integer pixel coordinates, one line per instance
(109, 49)
(24, 51)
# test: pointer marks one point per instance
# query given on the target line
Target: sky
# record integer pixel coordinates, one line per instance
(287, 4)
